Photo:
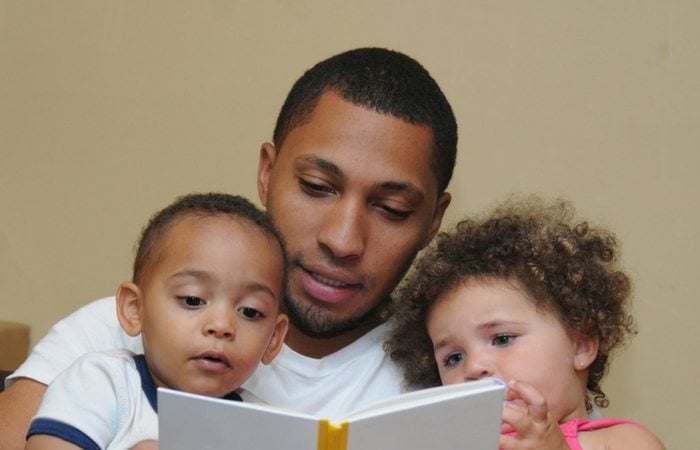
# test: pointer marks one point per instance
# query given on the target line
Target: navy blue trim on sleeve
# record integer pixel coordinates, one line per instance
(147, 383)
(150, 389)
(62, 431)
(233, 396)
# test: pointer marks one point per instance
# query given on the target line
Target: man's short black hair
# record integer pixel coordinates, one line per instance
(383, 80)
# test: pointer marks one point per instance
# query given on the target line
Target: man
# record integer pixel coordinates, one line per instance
(355, 179)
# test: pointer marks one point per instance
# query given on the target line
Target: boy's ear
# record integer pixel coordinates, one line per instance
(129, 298)
(586, 352)
(277, 339)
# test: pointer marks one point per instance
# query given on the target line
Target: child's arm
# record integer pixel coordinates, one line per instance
(527, 414)
(47, 442)
(146, 445)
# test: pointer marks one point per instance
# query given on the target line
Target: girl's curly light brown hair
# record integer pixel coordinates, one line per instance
(566, 266)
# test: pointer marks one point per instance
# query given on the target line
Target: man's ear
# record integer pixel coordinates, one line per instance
(586, 352)
(443, 202)
(268, 155)
(129, 299)
(277, 339)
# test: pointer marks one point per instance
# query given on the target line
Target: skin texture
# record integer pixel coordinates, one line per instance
(491, 328)
(353, 194)
(208, 311)
(18, 404)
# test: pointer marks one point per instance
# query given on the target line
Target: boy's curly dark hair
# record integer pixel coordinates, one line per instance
(567, 267)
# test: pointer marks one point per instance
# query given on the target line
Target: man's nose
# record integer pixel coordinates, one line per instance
(343, 232)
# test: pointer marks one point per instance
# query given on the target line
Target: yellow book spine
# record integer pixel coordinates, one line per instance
(332, 436)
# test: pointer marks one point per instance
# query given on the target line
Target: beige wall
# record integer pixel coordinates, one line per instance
(110, 109)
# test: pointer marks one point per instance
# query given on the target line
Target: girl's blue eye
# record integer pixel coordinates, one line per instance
(453, 359)
(503, 339)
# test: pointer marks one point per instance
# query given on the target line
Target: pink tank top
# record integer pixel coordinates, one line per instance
(571, 428)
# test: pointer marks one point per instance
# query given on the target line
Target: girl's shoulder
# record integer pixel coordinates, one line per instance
(617, 434)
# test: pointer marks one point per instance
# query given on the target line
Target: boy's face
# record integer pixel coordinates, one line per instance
(354, 194)
(493, 329)
(208, 309)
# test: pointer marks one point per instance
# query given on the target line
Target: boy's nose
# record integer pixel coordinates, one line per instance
(220, 325)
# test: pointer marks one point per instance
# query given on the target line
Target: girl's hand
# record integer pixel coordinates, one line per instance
(526, 414)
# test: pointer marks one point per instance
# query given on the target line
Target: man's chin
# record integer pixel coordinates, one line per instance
(315, 322)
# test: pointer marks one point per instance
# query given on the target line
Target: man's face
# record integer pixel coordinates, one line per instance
(353, 193)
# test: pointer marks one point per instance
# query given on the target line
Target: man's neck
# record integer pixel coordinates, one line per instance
(318, 347)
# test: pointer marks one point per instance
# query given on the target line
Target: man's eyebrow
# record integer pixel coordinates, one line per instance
(401, 186)
(323, 164)
(398, 186)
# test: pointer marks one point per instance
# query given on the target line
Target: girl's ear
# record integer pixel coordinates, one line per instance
(129, 299)
(277, 339)
(586, 352)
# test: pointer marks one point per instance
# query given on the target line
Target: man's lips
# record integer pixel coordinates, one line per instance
(329, 281)
(326, 287)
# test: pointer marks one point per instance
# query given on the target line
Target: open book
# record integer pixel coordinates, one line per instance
(459, 416)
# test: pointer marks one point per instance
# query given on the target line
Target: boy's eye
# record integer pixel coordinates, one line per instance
(453, 359)
(503, 339)
(250, 313)
(191, 301)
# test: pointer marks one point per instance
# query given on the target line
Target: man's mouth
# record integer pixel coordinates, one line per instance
(328, 288)
(328, 281)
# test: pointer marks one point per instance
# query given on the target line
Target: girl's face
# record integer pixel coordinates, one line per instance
(491, 328)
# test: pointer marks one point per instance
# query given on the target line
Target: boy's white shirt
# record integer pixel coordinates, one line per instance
(101, 395)
(333, 386)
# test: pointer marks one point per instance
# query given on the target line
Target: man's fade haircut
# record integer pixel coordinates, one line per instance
(385, 81)
(202, 205)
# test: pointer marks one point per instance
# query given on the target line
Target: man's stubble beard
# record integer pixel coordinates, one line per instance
(314, 321)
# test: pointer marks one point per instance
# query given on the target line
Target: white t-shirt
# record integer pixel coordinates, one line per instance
(335, 385)
(103, 401)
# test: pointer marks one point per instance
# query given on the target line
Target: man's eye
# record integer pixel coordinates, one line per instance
(503, 340)
(250, 313)
(191, 301)
(394, 213)
(453, 359)
(315, 188)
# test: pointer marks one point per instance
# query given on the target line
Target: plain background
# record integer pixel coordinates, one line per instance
(109, 110)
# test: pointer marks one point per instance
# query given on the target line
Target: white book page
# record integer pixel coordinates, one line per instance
(213, 424)
(461, 423)
(427, 396)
